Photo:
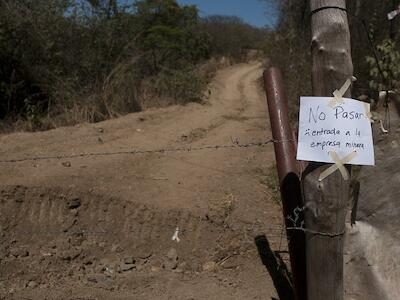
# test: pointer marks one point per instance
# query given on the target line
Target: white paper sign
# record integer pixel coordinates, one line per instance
(343, 129)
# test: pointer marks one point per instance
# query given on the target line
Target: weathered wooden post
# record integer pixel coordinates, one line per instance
(326, 201)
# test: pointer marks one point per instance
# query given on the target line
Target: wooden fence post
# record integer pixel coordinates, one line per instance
(326, 201)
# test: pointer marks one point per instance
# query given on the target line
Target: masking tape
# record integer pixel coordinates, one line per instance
(368, 113)
(338, 94)
(339, 165)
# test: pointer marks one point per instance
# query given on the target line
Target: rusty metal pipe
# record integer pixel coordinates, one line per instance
(280, 125)
(288, 173)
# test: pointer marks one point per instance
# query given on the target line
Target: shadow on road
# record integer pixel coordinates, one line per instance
(276, 268)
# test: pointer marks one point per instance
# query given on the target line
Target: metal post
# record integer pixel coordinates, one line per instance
(288, 175)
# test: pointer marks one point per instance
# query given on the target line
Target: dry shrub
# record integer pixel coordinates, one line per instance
(121, 89)
(171, 87)
(208, 68)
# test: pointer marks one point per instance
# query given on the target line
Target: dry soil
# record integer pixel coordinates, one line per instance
(100, 227)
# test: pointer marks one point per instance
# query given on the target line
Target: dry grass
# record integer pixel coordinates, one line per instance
(219, 210)
(269, 179)
(123, 91)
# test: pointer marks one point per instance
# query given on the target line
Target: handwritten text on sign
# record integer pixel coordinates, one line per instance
(343, 128)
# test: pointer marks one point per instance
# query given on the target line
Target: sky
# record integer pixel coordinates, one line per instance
(254, 12)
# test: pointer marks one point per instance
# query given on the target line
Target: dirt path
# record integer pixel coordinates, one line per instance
(100, 227)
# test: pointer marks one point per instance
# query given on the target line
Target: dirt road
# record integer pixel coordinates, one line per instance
(100, 227)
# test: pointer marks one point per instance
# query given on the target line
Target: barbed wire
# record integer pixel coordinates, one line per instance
(299, 224)
(235, 145)
(314, 232)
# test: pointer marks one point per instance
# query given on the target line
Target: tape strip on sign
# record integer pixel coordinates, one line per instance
(338, 94)
(368, 113)
(339, 165)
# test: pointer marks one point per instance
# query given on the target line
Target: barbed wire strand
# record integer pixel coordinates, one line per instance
(138, 151)
(328, 234)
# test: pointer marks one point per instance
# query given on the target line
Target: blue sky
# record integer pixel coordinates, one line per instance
(254, 12)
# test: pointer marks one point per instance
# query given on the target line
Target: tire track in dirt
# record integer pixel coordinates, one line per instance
(43, 216)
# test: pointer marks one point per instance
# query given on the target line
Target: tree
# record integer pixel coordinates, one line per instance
(107, 7)
(230, 36)
(167, 34)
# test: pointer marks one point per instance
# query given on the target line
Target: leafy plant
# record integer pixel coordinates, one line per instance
(387, 74)
(167, 34)
(32, 113)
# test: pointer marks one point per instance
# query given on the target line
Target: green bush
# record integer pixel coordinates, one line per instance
(387, 75)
